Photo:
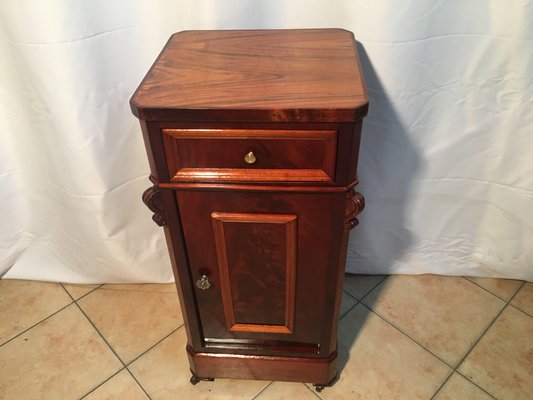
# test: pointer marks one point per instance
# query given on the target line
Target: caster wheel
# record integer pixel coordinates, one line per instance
(194, 379)
(319, 388)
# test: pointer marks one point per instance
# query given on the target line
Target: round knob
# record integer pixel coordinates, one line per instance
(203, 283)
(250, 157)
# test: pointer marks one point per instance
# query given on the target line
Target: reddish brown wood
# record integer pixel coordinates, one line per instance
(268, 240)
(274, 75)
(151, 197)
(218, 155)
(319, 370)
(319, 229)
(347, 138)
(256, 188)
(257, 249)
(355, 203)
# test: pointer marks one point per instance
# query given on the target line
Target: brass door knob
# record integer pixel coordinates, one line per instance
(250, 157)
(203, 283)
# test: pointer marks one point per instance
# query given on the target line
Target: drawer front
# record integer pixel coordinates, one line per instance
(232, 155)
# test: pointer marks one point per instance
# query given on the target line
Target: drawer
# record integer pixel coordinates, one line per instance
(231, 155)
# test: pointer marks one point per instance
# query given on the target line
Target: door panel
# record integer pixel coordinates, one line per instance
(271, 260)
(257, 265)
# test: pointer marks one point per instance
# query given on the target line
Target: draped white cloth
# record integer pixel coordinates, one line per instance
(446, 160)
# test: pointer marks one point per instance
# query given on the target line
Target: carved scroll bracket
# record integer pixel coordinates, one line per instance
(355, 203)
(152, 199)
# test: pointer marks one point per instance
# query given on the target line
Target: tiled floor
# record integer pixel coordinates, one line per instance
(400, 337)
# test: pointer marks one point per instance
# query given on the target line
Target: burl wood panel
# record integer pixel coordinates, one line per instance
(281, 155)
(257, 266)
(275, 75)
(319, 231)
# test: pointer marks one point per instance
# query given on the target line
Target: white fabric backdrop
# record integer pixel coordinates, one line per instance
(445, 164)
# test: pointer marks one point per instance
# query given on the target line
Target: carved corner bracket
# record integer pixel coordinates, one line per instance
(152, 199)
(355, 203)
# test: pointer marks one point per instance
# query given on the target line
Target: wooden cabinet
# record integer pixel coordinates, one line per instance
(252, 139)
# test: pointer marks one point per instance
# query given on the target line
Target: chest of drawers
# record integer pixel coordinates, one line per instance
(252, 139)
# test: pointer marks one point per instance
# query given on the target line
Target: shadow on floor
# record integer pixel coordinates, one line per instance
(388, 162)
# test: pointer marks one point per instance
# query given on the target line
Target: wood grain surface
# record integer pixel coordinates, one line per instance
(276, 75)
(281, 155)
(257, 266)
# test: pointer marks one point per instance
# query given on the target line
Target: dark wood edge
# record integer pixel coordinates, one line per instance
(355, 203)
(152, 199)
(359, 111)
(180, 267)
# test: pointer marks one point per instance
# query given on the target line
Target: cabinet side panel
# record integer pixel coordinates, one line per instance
(257, 299)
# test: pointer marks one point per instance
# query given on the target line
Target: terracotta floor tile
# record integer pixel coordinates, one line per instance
(132, 321)
(25, 303)
(143, 287)
(347, 303)
(121, 386)
(458, 388)
(359, 285)
(77, 291)
(63, 357)
(286, 391)
(502, 361)
(524, 298)
(444, 314)
(503, 288)
(382, 363)
(164, 373)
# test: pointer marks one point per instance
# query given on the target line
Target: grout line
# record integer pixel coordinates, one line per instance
(459, 373)
(101, 383)
(125, 366)
(371, 290)
(100, 334)
(155, 344)
(357, 301)
(315, 392)
(111, 348)
(37, 323)
(442, 385)
(81, 297)
(405, 334)
(262, 390)
(139, 383)
(350, 309)
(453, 369)
(491, 323)
(116, 354)
(475, 384)
(488, 291)
(507, 303)
(367, 293)
(522, 311)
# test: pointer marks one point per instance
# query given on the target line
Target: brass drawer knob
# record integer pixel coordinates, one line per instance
(250, 157)
(203, 283)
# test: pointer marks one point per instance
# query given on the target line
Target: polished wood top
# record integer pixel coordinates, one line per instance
(255, 75)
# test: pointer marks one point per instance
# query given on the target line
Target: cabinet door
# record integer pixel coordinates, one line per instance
(271, 263)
